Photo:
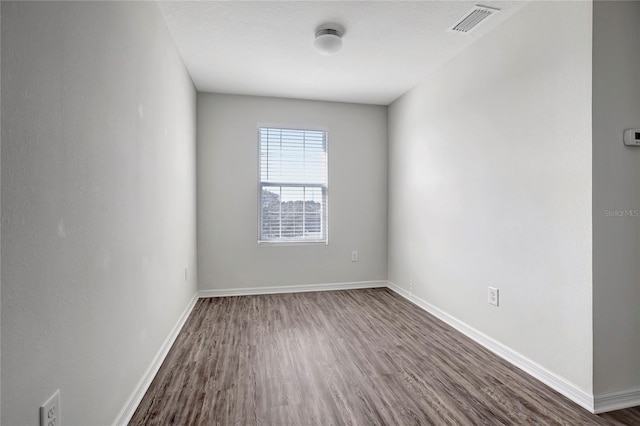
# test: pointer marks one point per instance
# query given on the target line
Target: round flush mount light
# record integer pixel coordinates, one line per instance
(328, 39)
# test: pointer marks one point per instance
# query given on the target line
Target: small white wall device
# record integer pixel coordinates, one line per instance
(632, 137)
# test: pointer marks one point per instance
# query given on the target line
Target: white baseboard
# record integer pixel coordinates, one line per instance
(291, 289)
(617, 400)
(132, 403)
(547, 377)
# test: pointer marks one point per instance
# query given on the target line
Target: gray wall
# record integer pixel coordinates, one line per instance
(616, 243)
(228, 252)
(490, 185)
(98, 203)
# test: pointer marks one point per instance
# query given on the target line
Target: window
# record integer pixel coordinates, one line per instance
(293, 185)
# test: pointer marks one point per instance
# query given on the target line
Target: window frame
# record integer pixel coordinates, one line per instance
(324, 219)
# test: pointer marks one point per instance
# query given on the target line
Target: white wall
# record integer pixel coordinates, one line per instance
(616, 244)
(98, 203)
(490, 185)
(228, 252)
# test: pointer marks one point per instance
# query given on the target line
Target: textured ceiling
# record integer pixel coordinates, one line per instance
(266, 47)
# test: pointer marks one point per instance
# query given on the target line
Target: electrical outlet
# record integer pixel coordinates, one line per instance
(494, 296)
(186, 274)
(50, 411)
(354, 256)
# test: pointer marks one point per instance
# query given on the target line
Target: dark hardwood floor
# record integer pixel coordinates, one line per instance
(365, 357)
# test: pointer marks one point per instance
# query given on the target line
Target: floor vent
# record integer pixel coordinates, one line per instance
(472, 19)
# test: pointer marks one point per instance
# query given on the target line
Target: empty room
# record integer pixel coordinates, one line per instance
(320, 213)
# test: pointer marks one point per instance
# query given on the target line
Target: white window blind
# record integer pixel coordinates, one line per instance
(293, 185)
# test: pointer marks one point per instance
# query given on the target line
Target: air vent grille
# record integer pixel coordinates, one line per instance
(472, 19)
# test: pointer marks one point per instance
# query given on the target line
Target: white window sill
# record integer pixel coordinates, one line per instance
(291, 243)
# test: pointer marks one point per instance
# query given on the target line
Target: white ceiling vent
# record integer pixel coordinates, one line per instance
(472, 19)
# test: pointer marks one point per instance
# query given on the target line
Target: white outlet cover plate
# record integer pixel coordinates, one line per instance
(50, 411)
(494, 296)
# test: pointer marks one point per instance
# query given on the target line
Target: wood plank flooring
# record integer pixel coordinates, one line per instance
(356, 357)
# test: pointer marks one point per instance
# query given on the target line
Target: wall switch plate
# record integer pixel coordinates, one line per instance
(494, 296)
(354, 256)
(50, 411)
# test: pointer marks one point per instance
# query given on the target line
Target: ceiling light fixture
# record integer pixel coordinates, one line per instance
(328, 39)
